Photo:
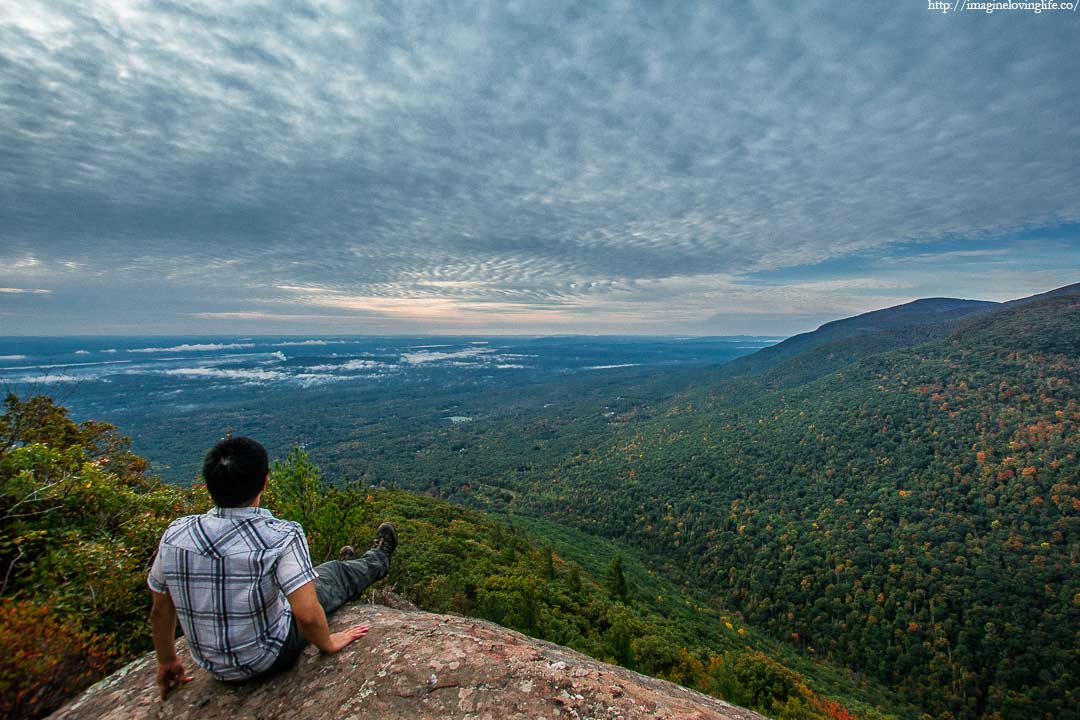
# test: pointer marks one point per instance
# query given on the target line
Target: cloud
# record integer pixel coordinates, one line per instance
(541, 165)
(255, 315)
(260, 376)
(250, 374)
(350, 365)
(430, 356)
(60, 365)
(194, 347)
(47, 379)
(954, 257)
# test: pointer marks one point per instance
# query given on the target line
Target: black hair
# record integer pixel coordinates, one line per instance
(235, 470)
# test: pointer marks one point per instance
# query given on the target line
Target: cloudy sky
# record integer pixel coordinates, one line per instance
(328, 166)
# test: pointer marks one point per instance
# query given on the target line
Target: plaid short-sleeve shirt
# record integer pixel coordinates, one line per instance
(228, 573)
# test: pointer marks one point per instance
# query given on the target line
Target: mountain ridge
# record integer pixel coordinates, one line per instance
(873, 332)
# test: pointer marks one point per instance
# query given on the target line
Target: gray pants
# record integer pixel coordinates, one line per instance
(339, 582)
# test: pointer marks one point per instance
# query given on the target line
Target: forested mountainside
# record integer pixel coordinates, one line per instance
(81, 522)
(912, 513)
(872, 332)
(916, 514)
(836, 345)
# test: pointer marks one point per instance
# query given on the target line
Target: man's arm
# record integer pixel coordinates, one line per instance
(170, 672)
(311, 621)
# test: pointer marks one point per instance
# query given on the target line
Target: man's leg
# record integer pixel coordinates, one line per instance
(342, 581)
(339, 582)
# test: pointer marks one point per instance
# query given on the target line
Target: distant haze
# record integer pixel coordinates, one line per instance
(546, 168)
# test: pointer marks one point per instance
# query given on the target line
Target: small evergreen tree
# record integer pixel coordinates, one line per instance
(615, 580)
(549, 563)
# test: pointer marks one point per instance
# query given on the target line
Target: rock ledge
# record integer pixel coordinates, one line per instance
(416, 666)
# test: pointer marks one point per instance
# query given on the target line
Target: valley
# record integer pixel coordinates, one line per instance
(890, 507)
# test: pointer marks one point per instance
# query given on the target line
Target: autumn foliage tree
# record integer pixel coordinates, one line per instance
(79, 523)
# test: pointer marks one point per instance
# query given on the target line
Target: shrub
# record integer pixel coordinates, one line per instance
(45, 658)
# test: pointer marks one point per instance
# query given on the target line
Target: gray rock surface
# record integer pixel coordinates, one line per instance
(412, 665)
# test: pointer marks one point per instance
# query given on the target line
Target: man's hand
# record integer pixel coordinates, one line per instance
(339, 640)
(170, 675)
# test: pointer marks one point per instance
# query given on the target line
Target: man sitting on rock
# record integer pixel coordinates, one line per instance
(241, 581)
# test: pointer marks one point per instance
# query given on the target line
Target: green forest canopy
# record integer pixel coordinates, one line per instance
(82, 520)
(912, 513)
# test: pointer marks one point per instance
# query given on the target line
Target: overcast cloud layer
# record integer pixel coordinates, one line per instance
(526, 167)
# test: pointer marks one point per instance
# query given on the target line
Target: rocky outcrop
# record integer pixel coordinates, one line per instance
(413, 666)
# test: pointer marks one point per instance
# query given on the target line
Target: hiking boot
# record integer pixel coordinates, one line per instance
(347, 553)
(385, 538)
